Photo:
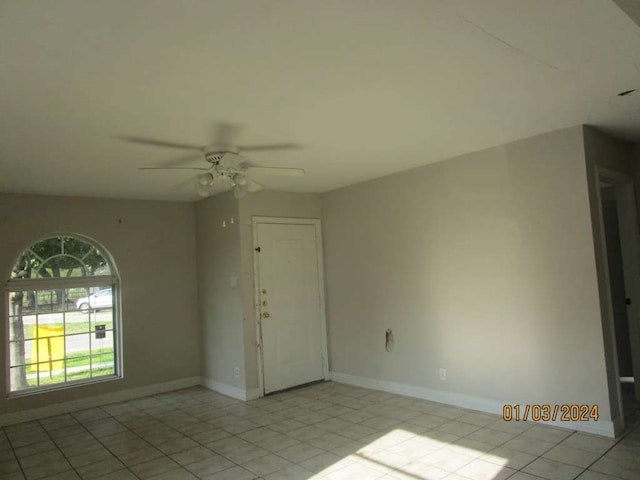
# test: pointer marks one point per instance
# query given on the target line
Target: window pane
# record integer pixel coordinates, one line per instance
(78, 345)
(20, 353)
(18, 378)
(21, 327)
(66, 334)
(50, 301)
(103, 364)
(61, 343)
(102, 343)
(62, 266)
(79, 374)
(79, 365)
(62, 257)
(76, 247)
(50, 372)
(77, 322)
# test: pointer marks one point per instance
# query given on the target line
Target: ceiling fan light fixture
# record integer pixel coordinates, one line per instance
(205, 180)
(239, 180)
(227, 168)
(240, 191)
(204, 190)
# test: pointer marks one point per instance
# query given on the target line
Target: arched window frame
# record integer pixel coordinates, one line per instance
(88, 281)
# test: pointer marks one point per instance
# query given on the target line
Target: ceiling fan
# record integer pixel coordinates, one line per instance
(227, 168)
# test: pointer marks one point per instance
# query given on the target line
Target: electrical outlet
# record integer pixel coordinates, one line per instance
(237, 372)
(443, 374)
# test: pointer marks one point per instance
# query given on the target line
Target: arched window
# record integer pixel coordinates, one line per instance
(63, 315)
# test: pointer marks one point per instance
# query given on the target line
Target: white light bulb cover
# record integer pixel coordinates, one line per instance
(239, 179)
(206, 179)
(240, 191)
(203, 190)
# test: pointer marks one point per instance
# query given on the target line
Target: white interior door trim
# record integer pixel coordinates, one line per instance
(256, 293)
(629, 237)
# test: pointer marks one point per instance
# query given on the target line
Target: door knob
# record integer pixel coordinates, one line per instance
(265, 315)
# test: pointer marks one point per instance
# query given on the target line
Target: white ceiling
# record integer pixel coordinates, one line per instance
(365, 87)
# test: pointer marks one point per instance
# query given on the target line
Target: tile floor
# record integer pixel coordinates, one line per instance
(324, 431)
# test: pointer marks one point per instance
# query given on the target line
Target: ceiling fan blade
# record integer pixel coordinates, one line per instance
(182, 161)
(254, 186)
(272, 146)
(174, 168)
(161, 143)
(289, 172)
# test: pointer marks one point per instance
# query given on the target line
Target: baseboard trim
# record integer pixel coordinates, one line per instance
(618, 426)
(601, 427)
(225, 389)
(96, 401)
(254, 393)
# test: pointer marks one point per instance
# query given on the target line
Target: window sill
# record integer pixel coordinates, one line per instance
(63, 386)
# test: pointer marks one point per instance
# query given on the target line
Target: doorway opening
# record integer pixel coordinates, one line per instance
(619, 224)
(289, 303)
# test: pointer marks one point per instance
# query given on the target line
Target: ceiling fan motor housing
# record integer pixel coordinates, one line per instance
(214, 157)
(215, 153)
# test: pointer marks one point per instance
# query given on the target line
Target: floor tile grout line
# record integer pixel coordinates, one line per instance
(199, 443)
(57, 447)
(270, 452)
(170, 407)
(13, 449)
(100, 442)
(541, 456)
(616, 442)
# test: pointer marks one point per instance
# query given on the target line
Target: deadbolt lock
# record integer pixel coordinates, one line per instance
(265, 315)
(264, 291)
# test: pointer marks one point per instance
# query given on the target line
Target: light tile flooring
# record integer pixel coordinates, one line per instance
(324, 431)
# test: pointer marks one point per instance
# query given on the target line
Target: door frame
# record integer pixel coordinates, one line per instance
(255, 221)
(629, 242)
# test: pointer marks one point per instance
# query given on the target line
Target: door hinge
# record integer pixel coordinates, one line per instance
(627, 301)
(258, 249)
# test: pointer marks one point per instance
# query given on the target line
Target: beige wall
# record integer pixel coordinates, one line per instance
(483, 265)
(220, 303)
(268, 204)
(153, 245)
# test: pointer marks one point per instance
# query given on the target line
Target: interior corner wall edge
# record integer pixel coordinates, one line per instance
(153, 246)
(219, 297)
(482, 265)
(631, 8)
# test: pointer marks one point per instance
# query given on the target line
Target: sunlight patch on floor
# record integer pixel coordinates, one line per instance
(404, 455)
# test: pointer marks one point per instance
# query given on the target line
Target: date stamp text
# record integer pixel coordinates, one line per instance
(545, 412)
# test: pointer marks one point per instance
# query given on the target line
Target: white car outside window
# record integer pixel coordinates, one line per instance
(96, 301)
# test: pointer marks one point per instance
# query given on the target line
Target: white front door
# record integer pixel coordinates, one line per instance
(289, 296)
